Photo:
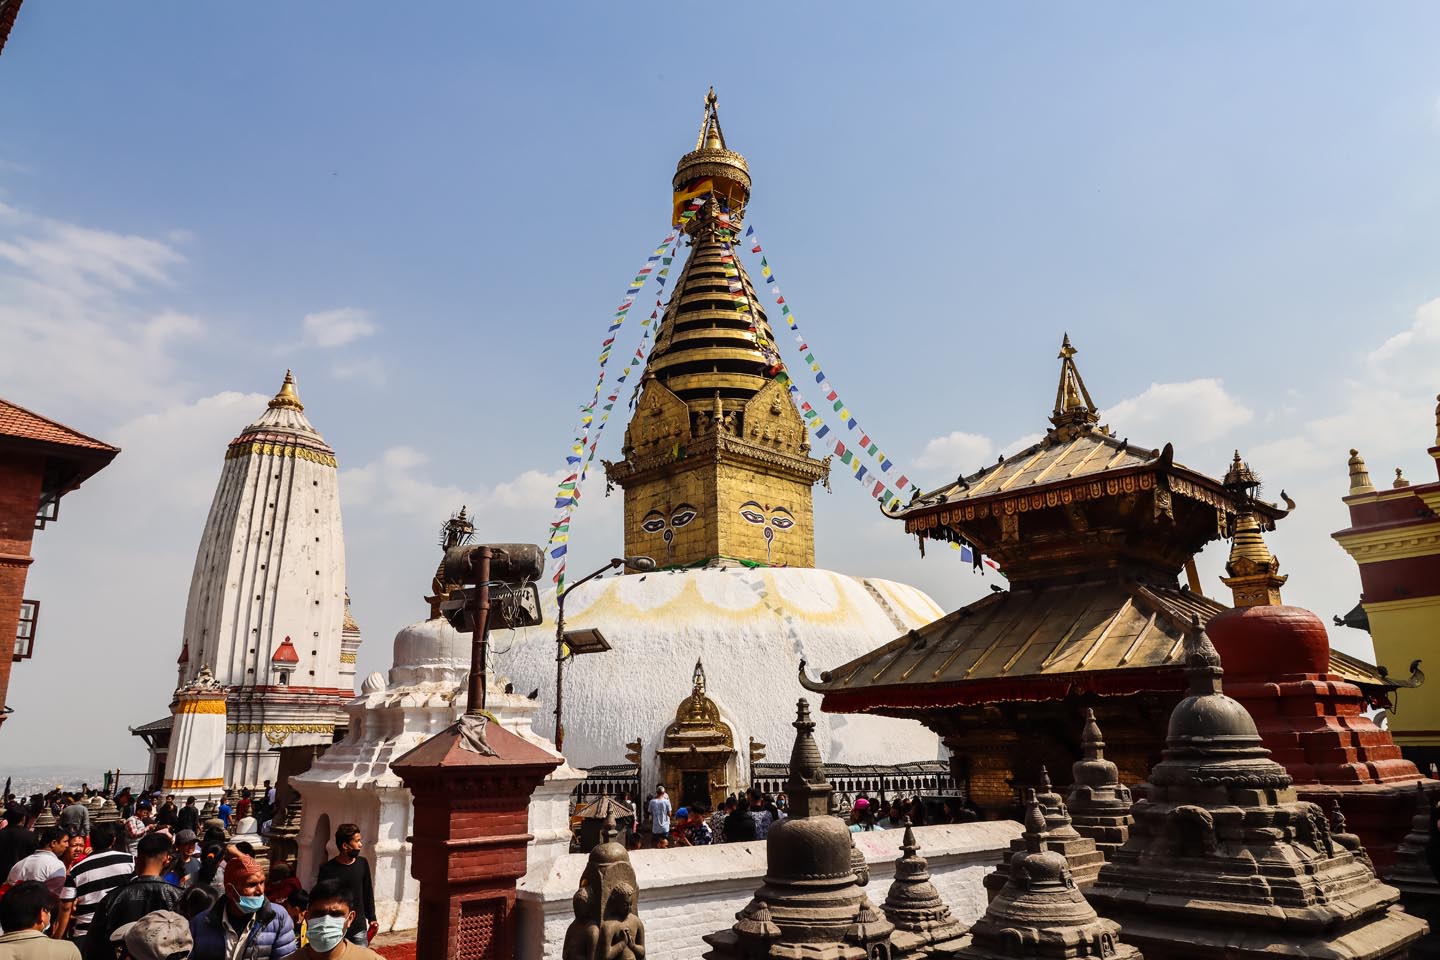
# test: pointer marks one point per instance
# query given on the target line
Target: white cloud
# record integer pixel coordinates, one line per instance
(75, 332)
(1196, 411)
(1412, 355)
(335, 328)
(957, 452)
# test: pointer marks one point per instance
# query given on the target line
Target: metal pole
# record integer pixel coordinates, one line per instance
(475, 703)
(559, 670)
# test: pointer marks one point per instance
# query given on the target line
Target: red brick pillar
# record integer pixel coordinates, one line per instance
(20, 478)
(470, 836)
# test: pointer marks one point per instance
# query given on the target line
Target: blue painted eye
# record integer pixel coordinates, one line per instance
(753, 516)
(781, 522)
(654, 522)
(683, 515)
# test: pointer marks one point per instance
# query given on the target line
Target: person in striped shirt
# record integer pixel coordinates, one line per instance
(108, 866)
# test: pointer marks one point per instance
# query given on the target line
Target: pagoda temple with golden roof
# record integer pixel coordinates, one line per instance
(1093, 533)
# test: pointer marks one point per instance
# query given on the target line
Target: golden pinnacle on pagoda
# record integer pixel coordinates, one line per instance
(1075, 412)
(287, 397)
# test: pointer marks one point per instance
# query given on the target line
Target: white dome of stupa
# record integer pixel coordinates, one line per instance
(750, 627)
(430, 650)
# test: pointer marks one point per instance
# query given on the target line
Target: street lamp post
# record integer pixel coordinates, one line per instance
(641, 564)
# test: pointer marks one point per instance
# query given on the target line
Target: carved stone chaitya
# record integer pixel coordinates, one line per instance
(1099, 803)
(1414, 873)
(810, 904)
(920, 917)
(1224, 861)
(1080, 852)
(606, 923)
(1040, 912)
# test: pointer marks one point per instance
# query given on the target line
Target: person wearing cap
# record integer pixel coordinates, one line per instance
(25, 912)
(329, 914)
(162, 935)
(143, 893)
(863, 815)
(243, 925)
(186, 862)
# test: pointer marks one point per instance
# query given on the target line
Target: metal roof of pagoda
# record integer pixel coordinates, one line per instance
(1061, 639)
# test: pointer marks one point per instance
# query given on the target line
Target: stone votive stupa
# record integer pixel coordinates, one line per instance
(810, 903)
(1224, 861)
(1099, 803)
(914, 906)
(1061, 837)
(1040, 912)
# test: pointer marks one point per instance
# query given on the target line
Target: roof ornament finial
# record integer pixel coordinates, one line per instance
(1202, 661)
(1359, 474)
(698, 680)
(1075, 412)
(710, 133)
(1400, 480)
(287, 397)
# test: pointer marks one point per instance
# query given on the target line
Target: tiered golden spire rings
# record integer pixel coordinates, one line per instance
(287, 397)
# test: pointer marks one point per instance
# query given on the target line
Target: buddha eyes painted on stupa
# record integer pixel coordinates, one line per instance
(657, 522)
(773, 519)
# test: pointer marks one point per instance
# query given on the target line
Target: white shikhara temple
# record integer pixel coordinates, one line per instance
(267, 611)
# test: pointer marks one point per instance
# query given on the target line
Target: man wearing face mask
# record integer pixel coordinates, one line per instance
(243, 925)
(353, 870)
(330, 915)
(25, 912)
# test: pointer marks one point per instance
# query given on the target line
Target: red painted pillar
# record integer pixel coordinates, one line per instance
(20, 480)
(470, 836)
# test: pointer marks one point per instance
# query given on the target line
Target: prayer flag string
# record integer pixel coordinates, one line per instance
(866, 445)
(583, 445)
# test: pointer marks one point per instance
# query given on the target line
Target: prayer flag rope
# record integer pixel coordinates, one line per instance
(866, 444)
(583, 446)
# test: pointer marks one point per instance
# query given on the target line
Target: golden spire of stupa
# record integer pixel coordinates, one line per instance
(287, 397)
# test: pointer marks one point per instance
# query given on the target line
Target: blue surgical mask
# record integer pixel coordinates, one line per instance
(325, 933)
(251, 904)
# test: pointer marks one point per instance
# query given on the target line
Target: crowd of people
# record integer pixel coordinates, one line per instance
(155, 881)
(750, 815)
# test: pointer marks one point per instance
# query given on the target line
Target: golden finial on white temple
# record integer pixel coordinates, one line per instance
(287, 397)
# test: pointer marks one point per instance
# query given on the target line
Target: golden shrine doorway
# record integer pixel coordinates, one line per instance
(697, 755)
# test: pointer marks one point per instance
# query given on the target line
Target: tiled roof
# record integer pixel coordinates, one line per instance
(1049, 461)
(1055, 632)
(16, 421)
(8, 10)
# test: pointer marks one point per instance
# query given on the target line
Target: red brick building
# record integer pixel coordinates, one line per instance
(40, 462)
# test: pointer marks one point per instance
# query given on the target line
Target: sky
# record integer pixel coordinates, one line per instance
(429, 214)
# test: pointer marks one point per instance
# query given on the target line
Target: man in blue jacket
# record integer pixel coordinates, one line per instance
(243, 925)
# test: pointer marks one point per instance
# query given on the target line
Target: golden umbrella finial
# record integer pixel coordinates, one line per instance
(287, 397)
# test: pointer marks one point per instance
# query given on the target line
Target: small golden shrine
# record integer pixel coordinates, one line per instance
(1093, 532)
(716, 456)
(697, 756)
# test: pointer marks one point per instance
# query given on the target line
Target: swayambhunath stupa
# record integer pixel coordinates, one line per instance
(700, 667)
